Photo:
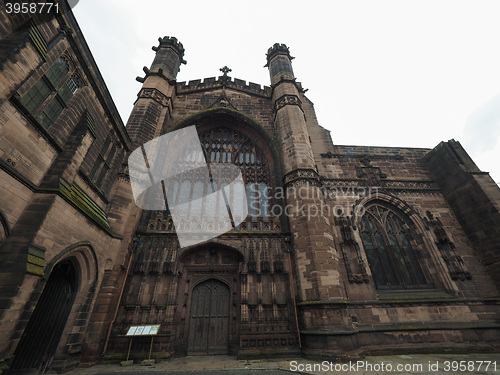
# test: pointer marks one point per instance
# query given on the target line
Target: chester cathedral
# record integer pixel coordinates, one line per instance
(342, 251)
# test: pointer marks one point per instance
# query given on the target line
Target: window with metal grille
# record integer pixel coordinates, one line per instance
(387, 240)
(91, 124)
(69, 89)
(38, 40)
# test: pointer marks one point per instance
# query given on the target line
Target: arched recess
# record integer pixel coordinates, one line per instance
(4, 228)
(234, 118)
(68, 290)
(389, 227)
(215, 242)
(38, 344)
(86, 257)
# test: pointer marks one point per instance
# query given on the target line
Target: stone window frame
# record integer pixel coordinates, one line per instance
(393, 254)
(49, 96)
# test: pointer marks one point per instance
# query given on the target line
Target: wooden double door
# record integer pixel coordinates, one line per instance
(209, 319)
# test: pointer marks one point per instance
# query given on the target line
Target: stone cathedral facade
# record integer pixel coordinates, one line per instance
(346, 250)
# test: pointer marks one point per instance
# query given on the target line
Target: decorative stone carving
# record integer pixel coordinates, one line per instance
(156, 95)
(372, 175)
(287, 100)
(223, 102)
(328, 155)
(351, 252)
(456, 266)
(302, 175)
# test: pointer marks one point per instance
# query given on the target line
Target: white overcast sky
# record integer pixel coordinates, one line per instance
(381, 73)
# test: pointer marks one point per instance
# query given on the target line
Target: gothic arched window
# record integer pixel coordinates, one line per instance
(223, 145)
(387, 242)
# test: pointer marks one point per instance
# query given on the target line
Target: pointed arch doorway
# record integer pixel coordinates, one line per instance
(209, 319)
(43, 332)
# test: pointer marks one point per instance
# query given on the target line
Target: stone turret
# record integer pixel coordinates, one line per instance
(148, 120)
(169, 57)
(314, 248)
(289, 115)
(279, 62)
(153, 107)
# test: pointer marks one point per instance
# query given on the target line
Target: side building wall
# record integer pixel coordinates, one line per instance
(461, 302)
(380, 249)
(62, 146)
(474, 198)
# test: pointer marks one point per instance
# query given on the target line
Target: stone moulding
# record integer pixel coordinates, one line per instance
(301, 175)
(84, 204)
(362, 156)
(440, 298)
(35, 263)
(411, 326)
(391, 185)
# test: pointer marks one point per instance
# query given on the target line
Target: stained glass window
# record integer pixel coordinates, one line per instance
(228, 146)
(387, 242)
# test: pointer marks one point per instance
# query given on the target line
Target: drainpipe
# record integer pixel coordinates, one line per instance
(134, 246)
(292, 284)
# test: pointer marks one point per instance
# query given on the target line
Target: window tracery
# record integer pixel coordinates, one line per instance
(387, 240)
(225, 147)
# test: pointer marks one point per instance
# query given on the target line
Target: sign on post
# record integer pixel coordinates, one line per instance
(143, 330)
(148, 330)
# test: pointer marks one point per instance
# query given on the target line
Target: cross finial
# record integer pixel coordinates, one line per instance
(225, 70)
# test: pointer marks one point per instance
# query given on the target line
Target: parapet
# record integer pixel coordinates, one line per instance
(221, 82)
